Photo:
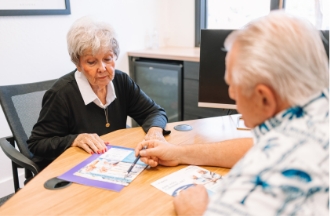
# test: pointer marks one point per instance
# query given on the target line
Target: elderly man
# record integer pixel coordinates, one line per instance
(278, 74)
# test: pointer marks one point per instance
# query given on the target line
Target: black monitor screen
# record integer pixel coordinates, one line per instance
(325, 40)
(213, 90)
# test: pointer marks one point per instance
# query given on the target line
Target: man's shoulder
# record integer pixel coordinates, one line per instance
(277, 165)
(290, 141)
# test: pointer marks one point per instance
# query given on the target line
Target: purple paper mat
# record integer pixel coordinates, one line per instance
(69, 175)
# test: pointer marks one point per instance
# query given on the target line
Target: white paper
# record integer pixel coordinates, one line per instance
(112, 167)
(241, 125)
(174, 183)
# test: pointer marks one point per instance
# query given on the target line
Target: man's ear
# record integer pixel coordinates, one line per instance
(266, 100)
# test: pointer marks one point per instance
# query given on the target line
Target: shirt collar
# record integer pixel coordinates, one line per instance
(89, 95)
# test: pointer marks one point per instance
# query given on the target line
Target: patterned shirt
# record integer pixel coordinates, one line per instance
(286, 172)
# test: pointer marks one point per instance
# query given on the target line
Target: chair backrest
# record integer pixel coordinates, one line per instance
(21, 105)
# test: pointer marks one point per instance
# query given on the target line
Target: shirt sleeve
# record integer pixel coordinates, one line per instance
(50, 135)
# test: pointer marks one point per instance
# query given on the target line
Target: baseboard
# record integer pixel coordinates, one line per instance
(7, 185)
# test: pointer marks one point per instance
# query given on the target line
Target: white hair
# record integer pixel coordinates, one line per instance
(86, 33)
(283, 52)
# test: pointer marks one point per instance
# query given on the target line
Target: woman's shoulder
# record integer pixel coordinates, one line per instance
(122, 77)
(64, 83)
(120, 74)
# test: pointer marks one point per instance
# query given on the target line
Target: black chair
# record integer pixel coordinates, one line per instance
(21, 105)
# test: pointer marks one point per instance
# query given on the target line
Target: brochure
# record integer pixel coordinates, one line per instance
(108, 170)
(174, 183)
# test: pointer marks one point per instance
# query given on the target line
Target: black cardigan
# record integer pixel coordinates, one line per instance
(64, 115)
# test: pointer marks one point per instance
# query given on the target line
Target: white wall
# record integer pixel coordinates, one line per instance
(33, 48)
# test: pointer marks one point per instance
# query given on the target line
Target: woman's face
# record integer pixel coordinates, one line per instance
(99, 69)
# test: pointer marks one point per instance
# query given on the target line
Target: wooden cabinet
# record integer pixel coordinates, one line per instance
(189, 58)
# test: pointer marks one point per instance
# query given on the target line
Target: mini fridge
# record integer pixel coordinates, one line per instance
(162, 82)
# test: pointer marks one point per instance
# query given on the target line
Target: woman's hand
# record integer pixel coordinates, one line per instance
(91, 143)
(155, 133)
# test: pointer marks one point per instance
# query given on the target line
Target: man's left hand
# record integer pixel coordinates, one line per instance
(192, 201)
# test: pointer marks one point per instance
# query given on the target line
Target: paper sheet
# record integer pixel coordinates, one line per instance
(107, 170)
(174, 183)
(241, 125)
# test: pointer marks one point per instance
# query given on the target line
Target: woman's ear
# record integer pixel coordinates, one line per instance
(78, 67)
(266, 100)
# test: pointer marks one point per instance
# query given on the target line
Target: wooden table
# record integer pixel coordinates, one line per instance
(139, 198)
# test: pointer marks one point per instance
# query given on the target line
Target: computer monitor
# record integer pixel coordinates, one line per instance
(325, 40)
(213, 90)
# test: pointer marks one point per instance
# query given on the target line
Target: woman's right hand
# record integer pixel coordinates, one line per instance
(91, 143)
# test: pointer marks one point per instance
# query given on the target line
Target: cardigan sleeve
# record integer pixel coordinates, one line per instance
(50, 136)
(143, 109)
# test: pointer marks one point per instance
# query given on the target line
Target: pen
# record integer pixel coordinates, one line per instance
(135, 161)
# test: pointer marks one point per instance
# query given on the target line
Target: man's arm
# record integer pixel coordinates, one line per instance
(222, 154)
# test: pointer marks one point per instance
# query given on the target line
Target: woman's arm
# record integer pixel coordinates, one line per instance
(143, 109)
(54, 133)
(50, 135)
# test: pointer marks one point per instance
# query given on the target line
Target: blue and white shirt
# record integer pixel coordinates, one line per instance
(286, 172)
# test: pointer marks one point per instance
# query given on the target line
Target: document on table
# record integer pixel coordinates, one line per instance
(107, 170)
(241, 125)
(174, 183)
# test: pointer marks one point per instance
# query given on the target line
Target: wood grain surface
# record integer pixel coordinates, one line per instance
(138, 198)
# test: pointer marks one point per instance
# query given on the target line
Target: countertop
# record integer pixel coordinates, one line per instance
(172, 53)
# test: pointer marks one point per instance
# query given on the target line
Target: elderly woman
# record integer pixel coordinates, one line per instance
(92, 100)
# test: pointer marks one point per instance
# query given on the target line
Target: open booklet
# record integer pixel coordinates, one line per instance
(107, 170)
(192, 175)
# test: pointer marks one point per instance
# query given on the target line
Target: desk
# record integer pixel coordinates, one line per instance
(139, 198)
(170, 53)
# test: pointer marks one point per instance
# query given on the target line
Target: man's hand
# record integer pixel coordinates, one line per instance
(158, 152)
(192, 201)
(155, 133)
(91, 143)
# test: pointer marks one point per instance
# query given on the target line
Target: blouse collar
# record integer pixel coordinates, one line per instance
(89, 95)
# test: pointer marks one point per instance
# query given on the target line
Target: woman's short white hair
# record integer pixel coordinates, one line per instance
(283, 52)
(86, 33)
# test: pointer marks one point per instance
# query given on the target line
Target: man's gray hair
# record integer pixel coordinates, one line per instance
(86, 33)
(283, 52)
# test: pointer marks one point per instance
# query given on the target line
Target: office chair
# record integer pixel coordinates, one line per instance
(21, 105)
